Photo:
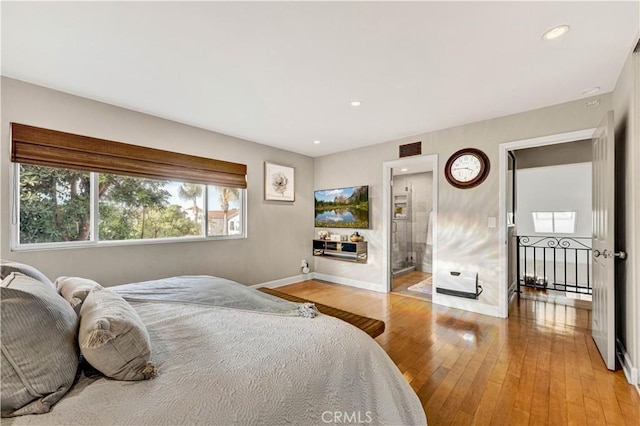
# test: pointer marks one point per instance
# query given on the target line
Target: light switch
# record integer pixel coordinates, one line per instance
(492, 223)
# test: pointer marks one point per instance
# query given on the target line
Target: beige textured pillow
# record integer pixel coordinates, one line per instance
(9, 266)
(39, 346)
(113, 338)
(75, 290)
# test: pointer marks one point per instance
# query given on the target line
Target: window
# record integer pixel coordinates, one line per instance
(554, 222)
(56, 208)
(55, 205)
(133, 208)
(224, 210)
(74, 189)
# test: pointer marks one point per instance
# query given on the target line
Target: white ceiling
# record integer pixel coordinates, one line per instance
(284, 73)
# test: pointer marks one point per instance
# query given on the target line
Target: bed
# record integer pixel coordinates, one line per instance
(240, 358)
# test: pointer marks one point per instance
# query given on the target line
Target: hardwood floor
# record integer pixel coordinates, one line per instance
(400, 284)
(408, 279)
(538, 367)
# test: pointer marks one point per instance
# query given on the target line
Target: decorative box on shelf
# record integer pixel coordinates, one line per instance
(343, 250)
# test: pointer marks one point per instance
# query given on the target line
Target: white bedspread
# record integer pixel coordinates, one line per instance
(223, 366)
(212, 291)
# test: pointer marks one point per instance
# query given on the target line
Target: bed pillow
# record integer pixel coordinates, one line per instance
(75, 290)
(113, 338)
(8, 266)
(39, 345)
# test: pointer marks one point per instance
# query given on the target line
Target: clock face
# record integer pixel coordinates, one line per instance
(467, 168)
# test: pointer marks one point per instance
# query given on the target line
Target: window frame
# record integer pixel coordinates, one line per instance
(94, 241)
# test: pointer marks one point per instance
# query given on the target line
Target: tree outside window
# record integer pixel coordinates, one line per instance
(55, 207)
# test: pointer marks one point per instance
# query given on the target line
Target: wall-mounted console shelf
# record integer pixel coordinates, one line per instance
(341, 250)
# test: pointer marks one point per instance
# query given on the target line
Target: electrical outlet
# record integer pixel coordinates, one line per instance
(304, 266)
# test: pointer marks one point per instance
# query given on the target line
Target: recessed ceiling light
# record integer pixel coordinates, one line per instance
(404, 170)
(555, 32)
(356, 103)
(590, 91)
(316, 142)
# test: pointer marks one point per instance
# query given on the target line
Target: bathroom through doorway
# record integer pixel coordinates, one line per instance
(411, 225)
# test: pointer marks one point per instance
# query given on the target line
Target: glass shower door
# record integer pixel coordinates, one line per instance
(401, 235)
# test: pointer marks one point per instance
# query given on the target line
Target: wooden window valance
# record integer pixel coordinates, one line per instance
(44, 147)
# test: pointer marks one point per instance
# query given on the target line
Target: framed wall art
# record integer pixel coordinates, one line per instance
(342, 207)
(279, 182)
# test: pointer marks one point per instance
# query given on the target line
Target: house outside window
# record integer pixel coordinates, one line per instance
(224, 210)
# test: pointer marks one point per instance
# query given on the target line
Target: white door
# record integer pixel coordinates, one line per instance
(603, 320)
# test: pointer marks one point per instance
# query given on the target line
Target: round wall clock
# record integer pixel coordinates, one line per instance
(467, 168)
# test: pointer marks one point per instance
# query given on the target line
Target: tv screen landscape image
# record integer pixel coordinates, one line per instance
(342, 207)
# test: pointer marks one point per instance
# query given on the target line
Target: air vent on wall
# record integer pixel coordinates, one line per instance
(410, 149)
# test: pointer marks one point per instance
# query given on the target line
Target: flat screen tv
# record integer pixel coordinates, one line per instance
(342, 207)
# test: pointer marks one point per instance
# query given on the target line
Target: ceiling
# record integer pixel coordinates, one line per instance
(285, 73)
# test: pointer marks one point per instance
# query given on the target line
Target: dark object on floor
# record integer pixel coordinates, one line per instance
(372, 327)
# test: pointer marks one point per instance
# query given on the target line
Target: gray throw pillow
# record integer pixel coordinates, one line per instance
(113, 338)
(75, 290)
(39, 346)
(8, 266)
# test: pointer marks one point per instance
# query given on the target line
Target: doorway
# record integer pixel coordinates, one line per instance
(410, 204)
(508, 230)
(552, 224)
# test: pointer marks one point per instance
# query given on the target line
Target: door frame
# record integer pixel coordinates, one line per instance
(503, 149)
(631, 371)
(631, 356)
(387, 166)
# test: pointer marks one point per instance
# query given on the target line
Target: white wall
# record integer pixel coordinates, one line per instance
(554, 188)
(279, 234)
(464, 240)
